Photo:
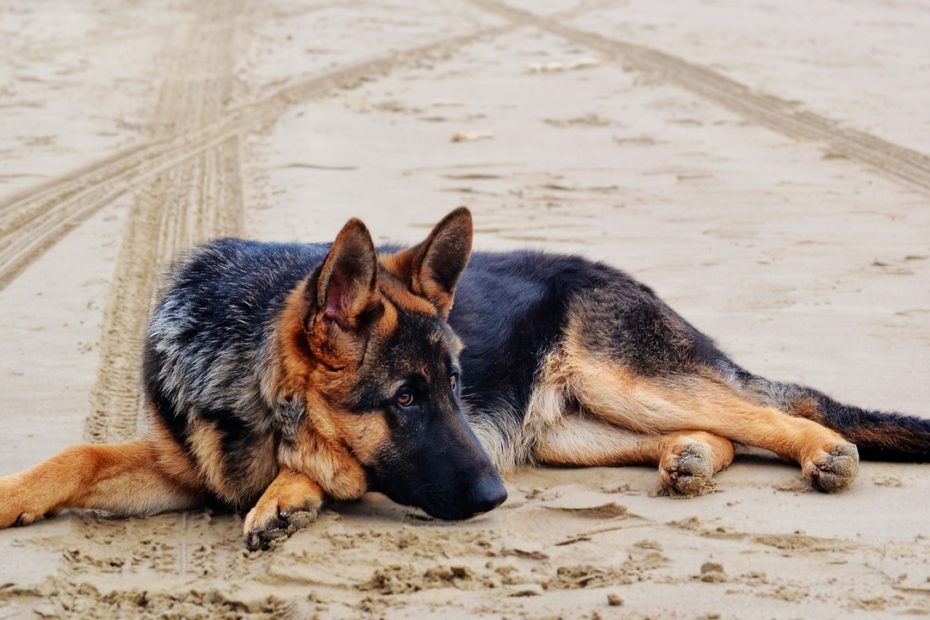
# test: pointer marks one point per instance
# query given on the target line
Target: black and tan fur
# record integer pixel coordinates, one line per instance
(279, 375)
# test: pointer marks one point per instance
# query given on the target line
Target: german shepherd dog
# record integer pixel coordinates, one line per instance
(277, 375)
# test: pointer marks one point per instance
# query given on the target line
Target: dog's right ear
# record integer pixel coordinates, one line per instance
(342, 298)
(432, 268)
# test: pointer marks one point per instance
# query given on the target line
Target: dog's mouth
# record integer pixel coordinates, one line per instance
(478, 498)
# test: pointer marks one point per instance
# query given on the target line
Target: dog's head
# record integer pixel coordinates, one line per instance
(385, 379)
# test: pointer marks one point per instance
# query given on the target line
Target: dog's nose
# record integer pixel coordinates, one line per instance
(488, 494)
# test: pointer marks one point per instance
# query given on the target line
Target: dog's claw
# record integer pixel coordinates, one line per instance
(263, 530)
(279, 528)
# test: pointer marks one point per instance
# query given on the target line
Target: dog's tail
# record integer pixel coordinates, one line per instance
(880, 436)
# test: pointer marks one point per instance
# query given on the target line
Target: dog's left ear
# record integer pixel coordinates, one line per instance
(432, 268)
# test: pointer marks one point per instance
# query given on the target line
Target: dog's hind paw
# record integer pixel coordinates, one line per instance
(834, 468)
(687, 470)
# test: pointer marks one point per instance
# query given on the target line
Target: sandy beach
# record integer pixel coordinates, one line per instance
(764, 166)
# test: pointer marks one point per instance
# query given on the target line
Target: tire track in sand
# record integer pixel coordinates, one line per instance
(892, 160)
(33, 221)
(175, 209)
(180, 206)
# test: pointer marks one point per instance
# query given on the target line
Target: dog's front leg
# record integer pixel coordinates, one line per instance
(290, 503)
(311, 468)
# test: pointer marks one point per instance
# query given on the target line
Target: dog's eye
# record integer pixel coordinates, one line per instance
(404, 398)
(454, 383)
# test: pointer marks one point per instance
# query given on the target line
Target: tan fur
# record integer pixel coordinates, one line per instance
(206, 446)
(319, 453)
(364, 433)
(387, 323)
(170, 457)
(127, 478)
(293, 351)
(575, 386)
(806, 408)
(696, 401)
(398, 264)
(687, 460)
(392, 287)
(584, 441)
(581, 440)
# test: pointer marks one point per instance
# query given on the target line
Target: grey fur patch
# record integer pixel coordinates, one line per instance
(781, 396)
(500, 433)
(510, 438)
(288, 416)
(222, 372)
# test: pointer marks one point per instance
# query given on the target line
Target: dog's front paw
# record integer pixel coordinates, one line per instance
(833, 468)
(687, 470)
(16, 506)
(275, 518)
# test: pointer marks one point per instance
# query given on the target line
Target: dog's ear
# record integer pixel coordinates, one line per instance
(432, 268)
(342, 297)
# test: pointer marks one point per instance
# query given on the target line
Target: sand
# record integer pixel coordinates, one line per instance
(762, 166)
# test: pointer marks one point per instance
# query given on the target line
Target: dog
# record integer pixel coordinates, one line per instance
(278, 375)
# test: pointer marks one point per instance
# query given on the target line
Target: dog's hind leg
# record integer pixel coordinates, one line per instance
(288, 504)
(628, 359)
(139, 477)
(687, 460)
(700, 401)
